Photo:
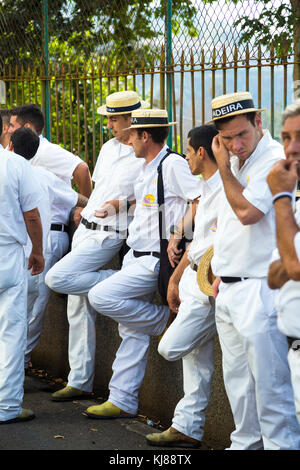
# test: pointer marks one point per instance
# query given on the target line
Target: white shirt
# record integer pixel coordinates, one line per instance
(288, 297)
(57, 200)
(56, 159)
(206, 217)
(115, 173)
(180, 186)
(19, 192)
(245, 250)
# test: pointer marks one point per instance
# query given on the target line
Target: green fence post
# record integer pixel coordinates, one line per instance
(169, 75)
(46, 84)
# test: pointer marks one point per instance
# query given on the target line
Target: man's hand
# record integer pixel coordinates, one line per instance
(220, 151)
(173, 252)
(77, 215)
(277, 275)
(37, 263)
(173, 296)
(215, 287)
(109, 208)
(283, 176)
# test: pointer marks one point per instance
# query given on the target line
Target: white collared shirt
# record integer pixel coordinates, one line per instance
(245, 250)
(206, 217)
(20, 192)
(115, 174)
(180, 186)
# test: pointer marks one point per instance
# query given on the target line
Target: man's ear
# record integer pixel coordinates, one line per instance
(200, 153)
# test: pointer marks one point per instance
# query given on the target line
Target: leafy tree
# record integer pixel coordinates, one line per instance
(280, 26)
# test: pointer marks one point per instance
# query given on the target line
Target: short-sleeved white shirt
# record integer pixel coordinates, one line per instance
(56, 159)
(115, 173)
(245, 250)
(20, 192)
(206, 217)
(180, 186)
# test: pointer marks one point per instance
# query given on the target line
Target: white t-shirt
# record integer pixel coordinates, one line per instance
(245, 250)
(20, 192)
(56, 159)
(180, 186)
(115, 173)
(206, 217)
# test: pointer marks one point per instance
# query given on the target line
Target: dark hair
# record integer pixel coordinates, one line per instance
(158, 134)
(249, 116)
(1, 126)
(25, 142)
(30, 113)
(5, 114)
(202, 136)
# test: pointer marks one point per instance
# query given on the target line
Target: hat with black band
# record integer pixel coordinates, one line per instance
(122, 102)
(232, 105)
(143, 118)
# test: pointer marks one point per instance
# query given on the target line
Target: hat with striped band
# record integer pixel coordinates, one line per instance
(122, 102)
(232, 104)
(143, 118)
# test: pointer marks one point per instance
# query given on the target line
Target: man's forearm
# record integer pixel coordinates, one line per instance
(34, 229)
(177, 274)
(244, 210)
(82, 200)
(82, 177)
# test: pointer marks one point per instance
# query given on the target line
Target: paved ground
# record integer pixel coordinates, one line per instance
(62, 426)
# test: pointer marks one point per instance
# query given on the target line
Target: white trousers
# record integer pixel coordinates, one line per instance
(13, 327)
(126, 298)
(294, 363)
(39, 292)
(255, 368)
(191, 337)
(75, 274)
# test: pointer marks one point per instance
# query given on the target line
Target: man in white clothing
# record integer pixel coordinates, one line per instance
(191, 335)
(56, 194)
(126, 295)
(255, 368)
(284, 273)
(96, 242)
(19, 196)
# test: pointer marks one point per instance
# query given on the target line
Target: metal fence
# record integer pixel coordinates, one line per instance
(181, 55)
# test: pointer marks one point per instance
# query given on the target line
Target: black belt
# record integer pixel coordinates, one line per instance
(137, 254)
(59, 227)
(293, 343)
(94, 226)
(228, 280)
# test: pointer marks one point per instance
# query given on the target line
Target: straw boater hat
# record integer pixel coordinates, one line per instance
(150, 118)
(205, 277)
(232, 105)
(122, 102)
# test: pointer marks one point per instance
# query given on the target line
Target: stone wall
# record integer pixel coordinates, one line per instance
(162, 387)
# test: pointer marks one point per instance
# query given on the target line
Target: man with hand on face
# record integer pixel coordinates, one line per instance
(96, 242)
(284, 274)
(191, 335)
(256, 372)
